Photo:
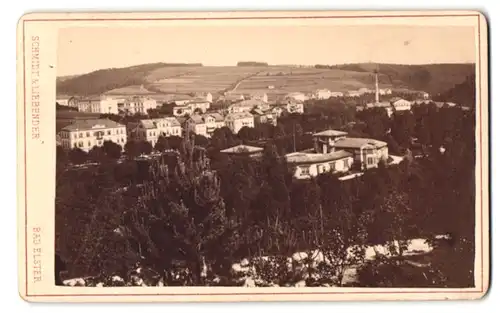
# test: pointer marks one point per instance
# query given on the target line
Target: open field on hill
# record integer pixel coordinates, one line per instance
(162, 78)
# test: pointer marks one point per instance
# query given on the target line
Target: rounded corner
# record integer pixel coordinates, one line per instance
(483, 18)
(24, 296)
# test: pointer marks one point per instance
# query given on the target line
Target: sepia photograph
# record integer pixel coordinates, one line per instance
(334, 153)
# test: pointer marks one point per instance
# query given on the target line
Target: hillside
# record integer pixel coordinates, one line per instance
(187, 78)
(464, 93)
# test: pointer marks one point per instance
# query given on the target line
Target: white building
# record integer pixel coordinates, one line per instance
(86, 134)
(248, 105)
(294, 106)
(236, 121)
(308, 165)
(385, 91)
(337, 94)
(366, 152)
(205, 124)
(103, 105)
(322, 94)
(135, 105)
(150, 129)
(298, 96)
(400, 104)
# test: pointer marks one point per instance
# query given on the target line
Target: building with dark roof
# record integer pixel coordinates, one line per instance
(244, 150)
(306, 165)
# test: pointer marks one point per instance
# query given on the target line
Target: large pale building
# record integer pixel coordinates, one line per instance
(366, 152)
(322, 94)
(86, 134)
(205, 124)
(236, 121)
(103, 105)
(306, 165)
(151, 129)
(295, 106)
(137, 105)
(248, 105)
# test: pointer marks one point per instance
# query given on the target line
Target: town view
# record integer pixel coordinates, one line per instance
(262, 175)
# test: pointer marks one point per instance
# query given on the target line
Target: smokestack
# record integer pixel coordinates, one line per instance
(376, 88)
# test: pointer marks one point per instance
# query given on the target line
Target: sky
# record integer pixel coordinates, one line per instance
(82, 50)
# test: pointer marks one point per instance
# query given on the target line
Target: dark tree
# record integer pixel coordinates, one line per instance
(77, 156)
(132, 148)
(112, 149)
(162, 144)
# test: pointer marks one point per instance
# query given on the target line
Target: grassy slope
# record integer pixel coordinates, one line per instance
(164, 78)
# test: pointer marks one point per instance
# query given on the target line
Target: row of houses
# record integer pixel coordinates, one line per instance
(333, 152)
(110, 105)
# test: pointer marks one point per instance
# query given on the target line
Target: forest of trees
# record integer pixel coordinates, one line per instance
(251, 63)
(192, 213)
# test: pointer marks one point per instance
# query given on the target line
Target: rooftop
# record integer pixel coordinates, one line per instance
(249, 103)
(308, 158)
(349, 142)
(242, 149)
(79, 125)
(236, 116)
(330, 133)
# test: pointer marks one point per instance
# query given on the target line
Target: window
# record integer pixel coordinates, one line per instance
(80, 144)
(346, 163)
(304, 171)
(74, 145)
(99, 142)
(88, 134)
(109, 132)
(89, 143)
(80, 135)
(321, 168)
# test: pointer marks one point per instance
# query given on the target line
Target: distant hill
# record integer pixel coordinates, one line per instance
(101, 81)
(433, 78)
(464, 93)
(184, 78)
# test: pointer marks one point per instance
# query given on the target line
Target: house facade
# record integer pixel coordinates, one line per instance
(366, 152)
(236, 121)
(298, 96)
(86, 134)
(294, 106)
(103, 105)
(67, 101)
(322, 94)
(401, 104)
(248, 105)
(136, 105)
(265, 117)
(337, 94)
(307, 165)
(150, 129)
(205, 124)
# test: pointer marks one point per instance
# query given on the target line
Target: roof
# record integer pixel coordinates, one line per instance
(249, 103)
(308, 158)
(349, 142)
(236, 116)
(79, 125)
(148, 124)
(198, 101)
(197, 119)
(172, 120)
(242, 149)
(382, 104)
(181, 97)
(296, 93)
(330, 133)
(217, 116)
(322, 90)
